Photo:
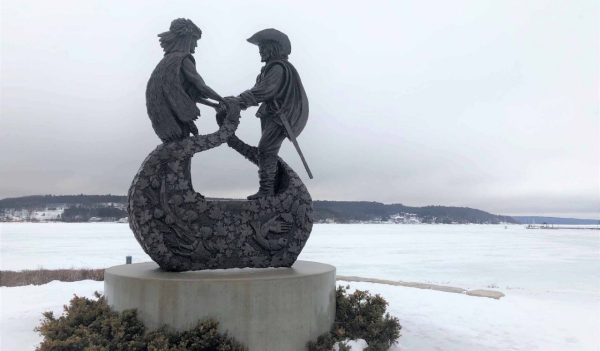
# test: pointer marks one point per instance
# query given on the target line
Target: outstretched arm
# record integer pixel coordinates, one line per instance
(266, 88)
(190, 73)
(249, 152)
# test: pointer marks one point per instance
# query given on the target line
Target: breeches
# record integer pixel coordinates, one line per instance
(272, 136)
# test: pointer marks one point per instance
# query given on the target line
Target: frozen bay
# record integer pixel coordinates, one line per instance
(468, 256)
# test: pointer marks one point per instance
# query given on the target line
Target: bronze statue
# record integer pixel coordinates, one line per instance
(175, 86)
(178, 227)
(284, 107)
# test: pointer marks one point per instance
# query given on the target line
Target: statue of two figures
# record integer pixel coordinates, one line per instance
(179, 228)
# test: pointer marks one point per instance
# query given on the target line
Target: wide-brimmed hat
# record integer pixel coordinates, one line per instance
(275, 35)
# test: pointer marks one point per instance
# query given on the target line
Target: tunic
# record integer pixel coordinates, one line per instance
(279, 88)
(171, 97)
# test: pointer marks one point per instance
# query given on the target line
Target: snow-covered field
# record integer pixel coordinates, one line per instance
(551, 279)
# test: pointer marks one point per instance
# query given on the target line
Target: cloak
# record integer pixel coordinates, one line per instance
(169, 101)
(281, 93)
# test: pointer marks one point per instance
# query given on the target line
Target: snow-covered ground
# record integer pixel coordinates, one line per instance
(22, 308)
(551, 279)
(431, 320)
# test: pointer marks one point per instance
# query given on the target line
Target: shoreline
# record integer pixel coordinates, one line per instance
(492, 294)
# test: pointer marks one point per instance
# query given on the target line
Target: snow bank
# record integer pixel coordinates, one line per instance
(22, 309)
(434, 320)
(431, 320)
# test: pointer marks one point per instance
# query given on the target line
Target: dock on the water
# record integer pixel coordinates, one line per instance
(554, 226)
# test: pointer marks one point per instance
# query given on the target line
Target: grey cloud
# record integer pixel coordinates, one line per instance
(488, 105)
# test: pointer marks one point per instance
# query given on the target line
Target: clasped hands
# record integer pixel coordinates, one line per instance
(222, 107)
(230, 99)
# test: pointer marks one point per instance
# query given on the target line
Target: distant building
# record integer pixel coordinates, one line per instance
(405, 218)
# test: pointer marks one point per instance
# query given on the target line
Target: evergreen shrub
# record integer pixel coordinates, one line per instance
(90, 325)
(360, 315)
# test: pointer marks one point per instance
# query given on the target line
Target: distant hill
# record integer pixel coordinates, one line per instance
(108, 207)
(554, 220)
(63, 208)
(37, 201)
(347, 211)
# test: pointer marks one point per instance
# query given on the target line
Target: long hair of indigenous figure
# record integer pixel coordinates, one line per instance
(180, 35)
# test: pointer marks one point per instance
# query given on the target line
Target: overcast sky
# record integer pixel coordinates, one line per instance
(486, 104)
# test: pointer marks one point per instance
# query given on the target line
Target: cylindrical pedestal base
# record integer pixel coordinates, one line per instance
(265, 309)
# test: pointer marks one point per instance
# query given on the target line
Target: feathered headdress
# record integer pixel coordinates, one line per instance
(179, 36)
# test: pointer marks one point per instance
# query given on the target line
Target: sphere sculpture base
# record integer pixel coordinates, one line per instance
(265, 309)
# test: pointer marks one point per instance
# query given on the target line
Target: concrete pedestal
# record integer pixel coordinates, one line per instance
(265, 309)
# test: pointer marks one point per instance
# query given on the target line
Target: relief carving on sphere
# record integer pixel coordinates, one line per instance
(182, 230)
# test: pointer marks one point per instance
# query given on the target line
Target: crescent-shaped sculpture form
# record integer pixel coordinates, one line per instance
(181, 230)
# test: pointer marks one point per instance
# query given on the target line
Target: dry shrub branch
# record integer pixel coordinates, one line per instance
(43, 276)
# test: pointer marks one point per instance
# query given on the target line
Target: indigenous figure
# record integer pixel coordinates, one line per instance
(284, 106)
(175, 86)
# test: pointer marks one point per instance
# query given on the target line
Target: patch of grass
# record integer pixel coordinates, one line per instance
(43, 276)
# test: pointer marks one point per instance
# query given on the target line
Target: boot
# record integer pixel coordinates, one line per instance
(266, 173)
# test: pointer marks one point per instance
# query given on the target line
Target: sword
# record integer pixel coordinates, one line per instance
(208, 103)
(292, 137)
